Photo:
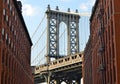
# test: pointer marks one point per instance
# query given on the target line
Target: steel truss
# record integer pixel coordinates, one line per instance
(54, 18)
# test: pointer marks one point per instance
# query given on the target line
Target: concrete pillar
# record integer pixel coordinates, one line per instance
(68, 34)
(47, 59)
(77, 35)
(48, 79)
(48, 33)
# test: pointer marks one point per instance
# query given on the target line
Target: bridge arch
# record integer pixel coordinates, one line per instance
(62, 39)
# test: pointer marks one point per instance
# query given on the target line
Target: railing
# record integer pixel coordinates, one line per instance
(65, 61)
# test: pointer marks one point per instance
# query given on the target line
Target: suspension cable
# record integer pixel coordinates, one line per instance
(64, 42)
(38, 54)
(39, 38)
(40, 61)
(38, 26)
(62, 34)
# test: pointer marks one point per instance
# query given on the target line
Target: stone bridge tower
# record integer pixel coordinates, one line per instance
(54, 18)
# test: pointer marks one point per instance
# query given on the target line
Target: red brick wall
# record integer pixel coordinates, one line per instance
(105, 62)
(15, 46)
(117, 37)
(0, 38)
(117, 42)
(87, 64)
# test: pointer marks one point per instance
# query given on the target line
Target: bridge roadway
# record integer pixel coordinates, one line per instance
(67, 69)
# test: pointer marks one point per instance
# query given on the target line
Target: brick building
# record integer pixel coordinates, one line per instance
(105, 44)
(15, 45)
(87, 63)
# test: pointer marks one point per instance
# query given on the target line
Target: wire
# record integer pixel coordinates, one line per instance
(38, 55)
(62, 34)
(40, 61)
(64, 43)
(39, 38)
(38, 26)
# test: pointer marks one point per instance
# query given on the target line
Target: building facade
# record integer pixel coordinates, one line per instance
(105, 43)
(15, 45)
(87, 63)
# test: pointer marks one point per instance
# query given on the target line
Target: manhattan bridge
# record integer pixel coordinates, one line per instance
(59, 53)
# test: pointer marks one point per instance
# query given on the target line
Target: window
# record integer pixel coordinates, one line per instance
(7, 18)
(10, 23)
(4, 12)
(6, 38)
(11, 45)
(3, 31)
(13, 13)
(15, 33)
(10, 10)
(4, 1)
(8, 2)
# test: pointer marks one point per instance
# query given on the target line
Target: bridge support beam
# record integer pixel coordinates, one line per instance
(57, 82)
(48, 79)
(47, 59)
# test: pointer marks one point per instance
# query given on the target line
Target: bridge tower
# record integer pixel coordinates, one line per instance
(54, 18)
